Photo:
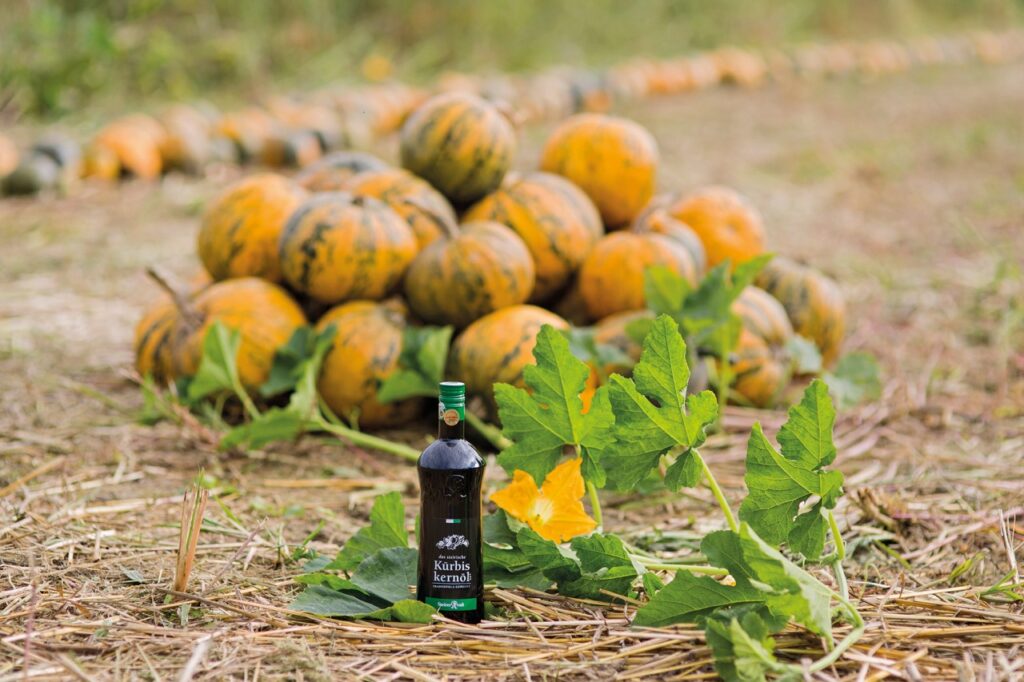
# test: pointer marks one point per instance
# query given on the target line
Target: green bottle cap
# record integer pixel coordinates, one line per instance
(453, 392)
(452, 402)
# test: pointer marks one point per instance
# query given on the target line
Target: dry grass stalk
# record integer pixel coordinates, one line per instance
(193, 506)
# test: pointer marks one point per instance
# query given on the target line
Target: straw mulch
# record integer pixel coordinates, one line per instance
(915, 183)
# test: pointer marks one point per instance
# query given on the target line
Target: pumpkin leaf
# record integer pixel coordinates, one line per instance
(586, 577)
(387, 573)
(741, 643)
(763, 577)
(290, 361)
(541, 422)
(665, 290)
(702, 310)
(421, 364)
(386, 530)
(652, 413)
(218, 367)
(780, 482)
(321, 600)
(300, 415)
(379, 590)
(584, 345)
(855, 380)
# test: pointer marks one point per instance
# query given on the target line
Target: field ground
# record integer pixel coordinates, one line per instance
(909, 189)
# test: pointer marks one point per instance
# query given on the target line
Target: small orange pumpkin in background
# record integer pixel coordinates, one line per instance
(459, 143)
(497, 347)
(813, 302)
(763, 316)
(248, 129)
(613, 160)
(425, 209)
(336, 248)
(612, 277)
(290, 148)
(728, 226)
(136, 141)
(482, 267)
(264, 314)
(556, 220)
(186, 145)
(365, 351)
(333, 172)
(241, 228)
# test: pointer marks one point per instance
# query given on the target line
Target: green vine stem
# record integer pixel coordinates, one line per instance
(367, 441)
(595, 505)
(655, 564)
(243, 395)
(717, 492)
(490, 432)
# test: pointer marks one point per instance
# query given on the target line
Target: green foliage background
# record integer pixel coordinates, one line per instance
(59, 56)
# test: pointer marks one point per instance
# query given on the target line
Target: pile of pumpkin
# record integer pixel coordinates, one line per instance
(296, 132)
(453, 237)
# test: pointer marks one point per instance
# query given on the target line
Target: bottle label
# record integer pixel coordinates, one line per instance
(450, 571)
(451, 414)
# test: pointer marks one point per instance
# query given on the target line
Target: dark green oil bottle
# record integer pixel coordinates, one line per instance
(451, 536)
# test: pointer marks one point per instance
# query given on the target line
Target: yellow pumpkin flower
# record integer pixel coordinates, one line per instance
(555, 511)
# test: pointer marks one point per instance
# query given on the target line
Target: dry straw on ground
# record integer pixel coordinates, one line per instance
(909, 190)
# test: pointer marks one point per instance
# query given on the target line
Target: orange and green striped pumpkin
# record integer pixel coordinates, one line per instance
(425, 209)
(154, 335)
(333, 172)
(365, 351)
(242, 227)
(813, 302)
(463, 276)
(460, 143)
(612, 277)
(656, 219)
(497, 347)
(759, 375)
(336, 248)
(764, 316)
(263, 313)
(612, 159)
(729, 227)
(556, 220)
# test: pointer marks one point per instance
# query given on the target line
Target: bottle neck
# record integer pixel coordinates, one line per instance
(451, 431)
(456, 432)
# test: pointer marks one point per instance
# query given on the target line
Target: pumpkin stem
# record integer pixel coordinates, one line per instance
(168, 283)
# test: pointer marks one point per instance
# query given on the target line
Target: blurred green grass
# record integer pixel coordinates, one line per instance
(59, 57)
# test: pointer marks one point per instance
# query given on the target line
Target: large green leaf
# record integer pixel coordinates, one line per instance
(690, 598)
(652, 413)
(386, 529)
(541, 422)
(780, 482)
(388, 573)
(218, 367)
(421, 364)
